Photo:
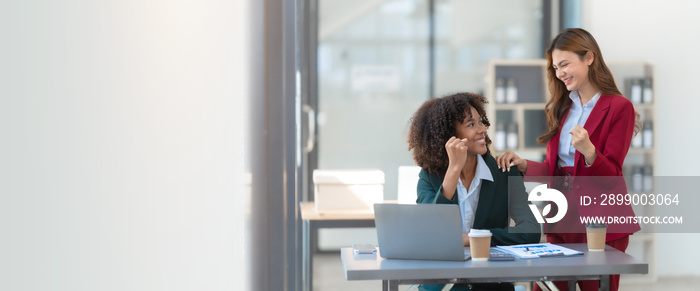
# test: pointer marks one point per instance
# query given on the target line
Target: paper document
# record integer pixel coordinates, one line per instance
(531, 251)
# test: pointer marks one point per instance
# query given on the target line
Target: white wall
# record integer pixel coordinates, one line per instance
(120, 163)
(665, 34)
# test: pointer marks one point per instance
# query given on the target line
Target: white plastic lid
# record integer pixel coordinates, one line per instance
(479, 233)
(374, 176)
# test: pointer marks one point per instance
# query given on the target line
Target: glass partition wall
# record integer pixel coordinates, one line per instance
(372, 74)
(378, 60)
(471, 33)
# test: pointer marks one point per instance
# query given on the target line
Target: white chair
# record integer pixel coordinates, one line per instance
(408, 184)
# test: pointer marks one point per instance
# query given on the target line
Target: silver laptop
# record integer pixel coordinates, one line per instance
(420, 232)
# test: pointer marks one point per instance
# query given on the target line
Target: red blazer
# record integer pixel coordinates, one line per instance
(610, 127)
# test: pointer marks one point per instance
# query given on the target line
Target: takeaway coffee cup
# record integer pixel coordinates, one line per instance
(595, 233)
(480, 244)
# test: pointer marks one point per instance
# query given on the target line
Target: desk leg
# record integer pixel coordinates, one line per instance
(550, 286)
(393, 285)
(385, 285)
(605, 282)
(306, 270)
(572, 284)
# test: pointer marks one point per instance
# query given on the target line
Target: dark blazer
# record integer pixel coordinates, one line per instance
(496, 200)
(610, 127)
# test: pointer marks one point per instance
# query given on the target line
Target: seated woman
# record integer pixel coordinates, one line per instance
(449, 142)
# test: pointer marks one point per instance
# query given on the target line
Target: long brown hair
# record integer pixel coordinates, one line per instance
(580, 42)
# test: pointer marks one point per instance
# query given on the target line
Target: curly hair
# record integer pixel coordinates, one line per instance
(435, 122)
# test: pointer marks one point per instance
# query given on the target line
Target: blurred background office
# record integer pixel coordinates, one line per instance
(412, 49)
(379, 60)
(167, 145)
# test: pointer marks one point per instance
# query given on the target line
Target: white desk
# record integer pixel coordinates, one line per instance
(313, 220)
(589, 266)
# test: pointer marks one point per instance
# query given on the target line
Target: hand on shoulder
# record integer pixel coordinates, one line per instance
(505, 160)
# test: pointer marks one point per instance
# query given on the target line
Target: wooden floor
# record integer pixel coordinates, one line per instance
(328, 276)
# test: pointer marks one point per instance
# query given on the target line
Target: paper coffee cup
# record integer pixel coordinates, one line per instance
(595, 234)
(480, 244)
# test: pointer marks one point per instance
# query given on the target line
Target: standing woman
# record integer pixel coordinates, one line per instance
(590, 128)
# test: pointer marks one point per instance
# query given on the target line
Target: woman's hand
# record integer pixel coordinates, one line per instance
(457, 153)
(582, 143)
(465, 239)
(503, 161)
